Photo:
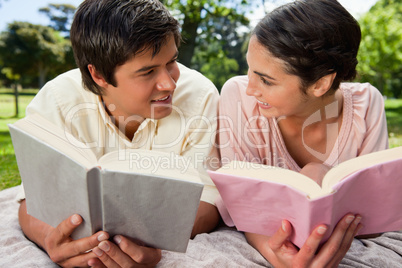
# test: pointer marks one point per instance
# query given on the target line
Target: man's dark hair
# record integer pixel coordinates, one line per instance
(314, 38)
(107, 33)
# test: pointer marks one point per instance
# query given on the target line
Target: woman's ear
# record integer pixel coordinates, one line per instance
(323, 85)
(97, 77)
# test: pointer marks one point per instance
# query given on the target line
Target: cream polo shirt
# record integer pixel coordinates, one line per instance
(188, 131)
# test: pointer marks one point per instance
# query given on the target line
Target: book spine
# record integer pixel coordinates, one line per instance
(95, 198)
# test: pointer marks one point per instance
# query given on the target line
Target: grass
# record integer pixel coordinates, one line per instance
(393, 111)
(9, 175)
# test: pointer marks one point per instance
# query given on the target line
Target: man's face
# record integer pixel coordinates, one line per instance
(144, 85)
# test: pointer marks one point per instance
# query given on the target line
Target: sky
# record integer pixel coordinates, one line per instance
(27, 10)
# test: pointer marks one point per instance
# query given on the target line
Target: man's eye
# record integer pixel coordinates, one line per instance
(173, 61)
(148, 73)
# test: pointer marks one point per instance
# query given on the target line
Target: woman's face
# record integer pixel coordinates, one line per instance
(277, 92)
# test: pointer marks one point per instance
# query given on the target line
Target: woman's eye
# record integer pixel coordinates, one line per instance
(266, 82)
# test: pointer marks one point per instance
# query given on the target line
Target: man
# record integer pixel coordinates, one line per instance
(130, 92)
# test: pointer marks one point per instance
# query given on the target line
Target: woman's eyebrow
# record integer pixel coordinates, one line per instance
(264, 75)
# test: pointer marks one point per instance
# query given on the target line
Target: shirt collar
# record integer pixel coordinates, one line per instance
(108, 121)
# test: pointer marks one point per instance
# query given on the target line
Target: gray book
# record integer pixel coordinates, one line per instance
(149, 196)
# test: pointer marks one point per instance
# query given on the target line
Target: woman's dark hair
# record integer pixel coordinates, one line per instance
(315, 38)
(107, 33)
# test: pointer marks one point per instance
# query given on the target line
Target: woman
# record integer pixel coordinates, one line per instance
(292, 111)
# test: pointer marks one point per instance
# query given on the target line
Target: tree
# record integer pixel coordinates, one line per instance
(224, 57)
(34, 50)
(380, 55)
(60, 15)
(212, 43)
(14, 78)
(200, 20)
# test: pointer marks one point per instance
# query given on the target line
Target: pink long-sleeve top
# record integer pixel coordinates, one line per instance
(245, 135)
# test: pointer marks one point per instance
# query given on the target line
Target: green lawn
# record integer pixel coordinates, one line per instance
(393, 110)
(9, 175)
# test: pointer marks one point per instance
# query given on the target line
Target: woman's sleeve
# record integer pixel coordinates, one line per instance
(376, 135)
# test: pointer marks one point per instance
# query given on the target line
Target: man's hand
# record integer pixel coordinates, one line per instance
(58, 244)
(124, 253)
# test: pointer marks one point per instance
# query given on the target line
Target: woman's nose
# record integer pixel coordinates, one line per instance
(251, 90)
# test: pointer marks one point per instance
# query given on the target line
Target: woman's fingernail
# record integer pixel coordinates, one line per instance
(321, 230)
(75, 219)
(117, 239)
(102, 237)
(349, 219)
(97, 251)
(358, 219)
(104, 246)
(283, 226)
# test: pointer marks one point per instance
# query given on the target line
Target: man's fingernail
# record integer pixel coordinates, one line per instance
(104, 246)
(75, 219)
(117, 239)
(102, 237)
(321, 230)
(97, 251)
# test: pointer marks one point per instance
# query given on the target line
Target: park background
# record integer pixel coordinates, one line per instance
(35, 48)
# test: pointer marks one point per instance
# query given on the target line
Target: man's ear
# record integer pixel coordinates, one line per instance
(97, 77)
(323, 85)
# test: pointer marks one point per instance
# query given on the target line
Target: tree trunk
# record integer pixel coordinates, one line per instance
(15, 86)
(189, 34)
(42, 75)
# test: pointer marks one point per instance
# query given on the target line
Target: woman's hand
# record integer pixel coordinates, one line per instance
(280, 252)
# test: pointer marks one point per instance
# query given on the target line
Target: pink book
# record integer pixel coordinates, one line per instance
(258, 197)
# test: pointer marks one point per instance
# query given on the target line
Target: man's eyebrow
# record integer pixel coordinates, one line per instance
(264, 75)
(149, 67)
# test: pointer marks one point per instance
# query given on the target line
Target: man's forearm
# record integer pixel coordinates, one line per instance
(206, 220)
(33, 228)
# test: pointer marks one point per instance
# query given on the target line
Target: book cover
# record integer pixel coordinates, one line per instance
(259, 206)
(156, 206)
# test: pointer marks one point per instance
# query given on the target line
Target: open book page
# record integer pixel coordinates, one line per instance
(346, 168)
(62, 141)
(274, 174)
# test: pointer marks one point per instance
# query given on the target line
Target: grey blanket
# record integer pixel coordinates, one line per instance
(222, 248)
